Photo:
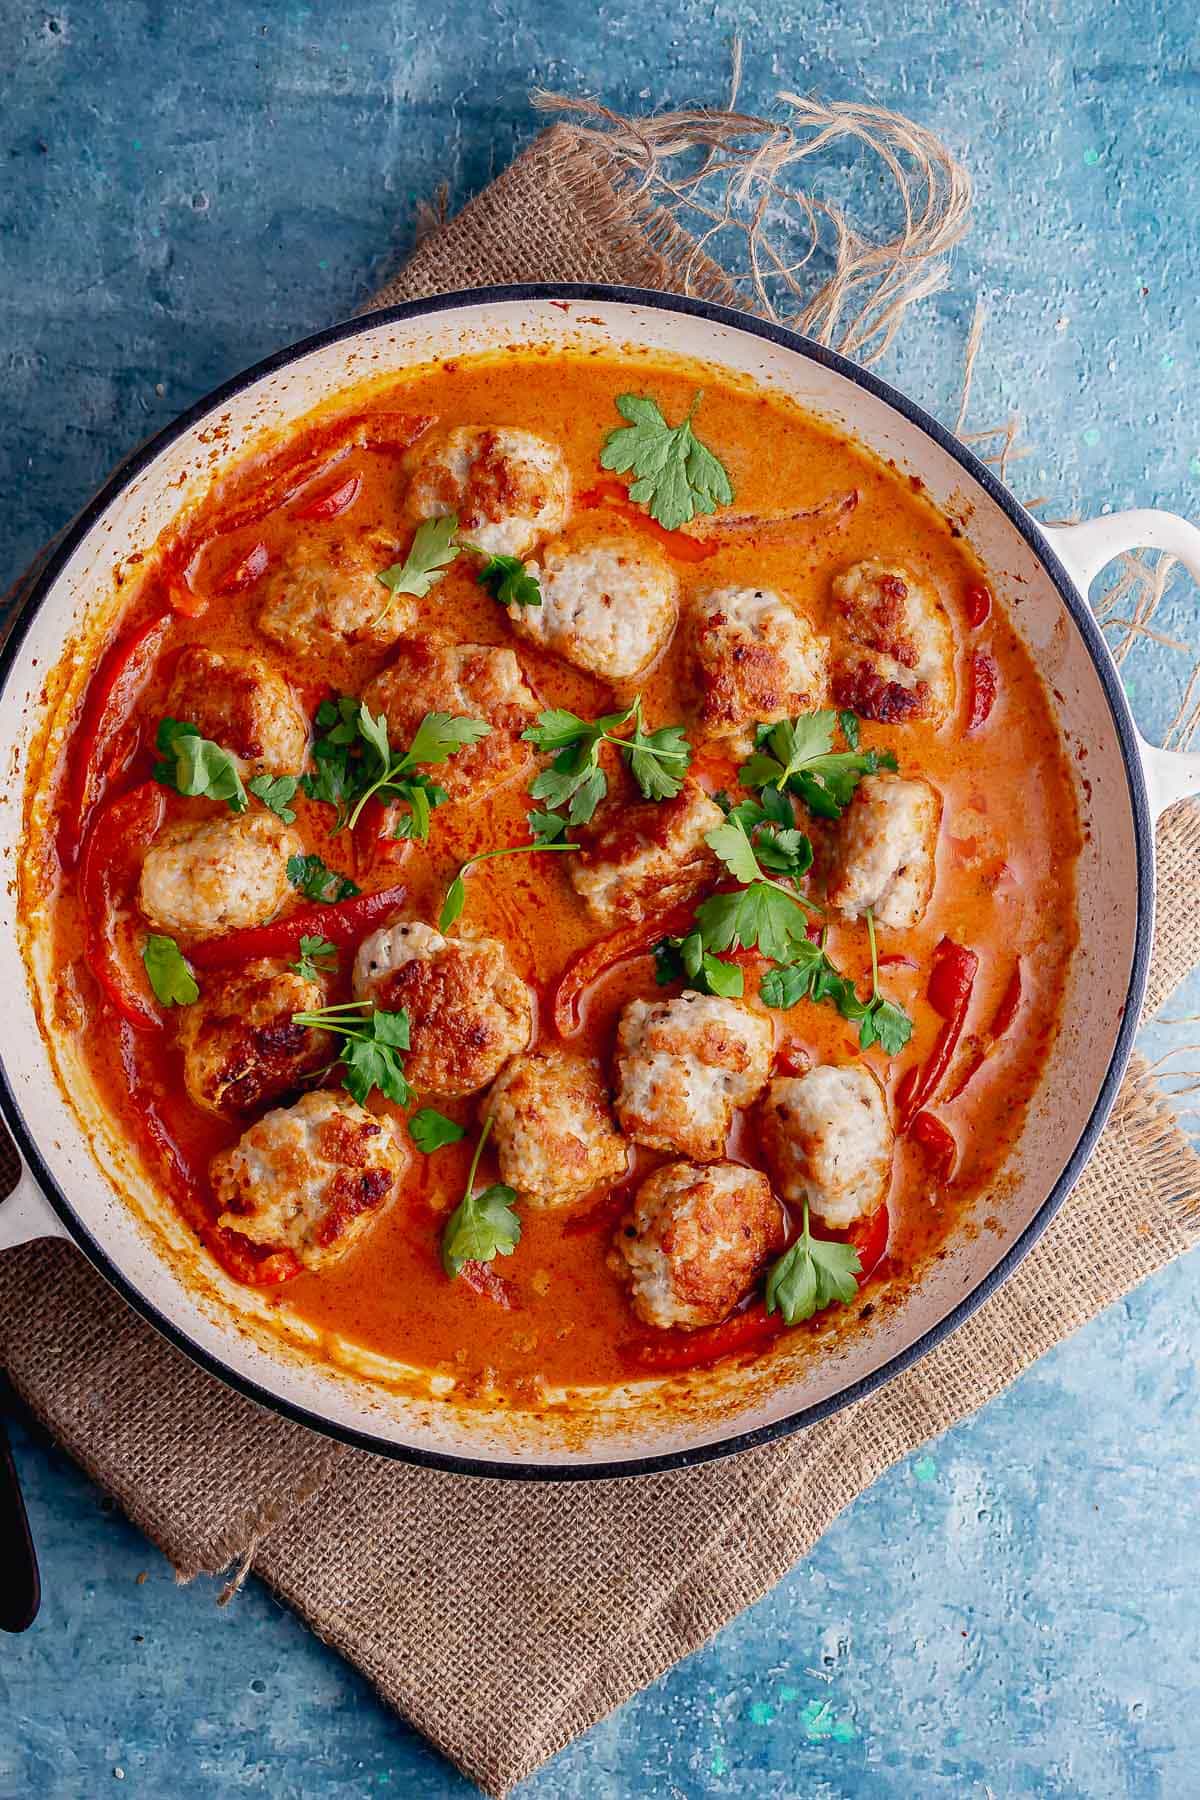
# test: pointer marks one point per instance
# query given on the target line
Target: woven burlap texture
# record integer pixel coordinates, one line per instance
(603, 1585)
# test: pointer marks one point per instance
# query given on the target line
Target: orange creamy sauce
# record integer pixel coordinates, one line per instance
(1005, 884)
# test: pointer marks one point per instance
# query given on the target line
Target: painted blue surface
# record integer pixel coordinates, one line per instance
(1011, 1612)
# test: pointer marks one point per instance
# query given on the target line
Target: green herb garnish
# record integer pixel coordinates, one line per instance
(317, 957)
(431, 1130)
(456, 893)
(685, 959)
(277, 792)
(355, 761)
(506, 578)
(194, 765)
(482, 1226)
(317, 881)
(429, 556)
(371, 1043)
(658, 759)
(798, 755)
(676, 476)
(812, 1273)
(170, 976)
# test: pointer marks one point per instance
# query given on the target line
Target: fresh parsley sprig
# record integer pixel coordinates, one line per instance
(658, 759)
(317, 881)
(456, 893)
(685, 959)
(431, 1130)
(482, 1226)
(676, 475)
(317, 957)
(810, 975)
(505, 578)
(196, 766)
(169, 972)
(429, 556)
(812, 1273)
(354, 761)
(277, 793)
(763, 912)
(371, 1044)
(797, 755)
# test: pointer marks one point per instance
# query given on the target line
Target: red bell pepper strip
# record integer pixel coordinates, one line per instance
(245, 573)
(938, 1139)
(950, 986)
(670, 1351)
(978, 602)
(605, 954)
(870, 1238)
(676, 543)
(123, 829)
(343, 922)
(331, 501)
(1006, 1012)
(255, 1264)
(482, 1279)
(984, 684)
(100, 746)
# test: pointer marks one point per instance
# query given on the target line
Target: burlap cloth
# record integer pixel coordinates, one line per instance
(602, 1586)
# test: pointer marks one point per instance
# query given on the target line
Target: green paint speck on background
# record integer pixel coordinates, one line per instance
(1091, 158)
(788, 1693)
(1167, 360)
(1091, 436)
(718, 1765)
(761, 1713)
(925, 1469)
(1194, 466)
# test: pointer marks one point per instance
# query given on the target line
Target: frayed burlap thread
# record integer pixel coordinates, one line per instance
(391, 1565)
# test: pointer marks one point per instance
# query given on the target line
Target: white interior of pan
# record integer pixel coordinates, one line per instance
(153, 1252)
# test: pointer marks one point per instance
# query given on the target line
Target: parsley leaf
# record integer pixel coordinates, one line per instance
(482, 1226)
(658, 759)
(431, 1130)
(317, 957)
(761, 914)
(276, 791)
(506, 579)
(798, 755)
(194, 765)
(685, 959)
(456, 893)
(355, 760)
(676, 476)
(317, 881)
(812, 1273)
(429, 556)
(371, 1042)
(810, 975)
(546, 827)
(170, 977)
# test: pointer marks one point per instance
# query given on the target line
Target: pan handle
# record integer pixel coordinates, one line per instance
(1171, 775)
(26, 1214)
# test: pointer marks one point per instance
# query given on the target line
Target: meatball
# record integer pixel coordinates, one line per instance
(244, 705)
(239, 1042)
(898, 658)
(609, 605)
(553, 1128)
(684, 1065)
(507, 487)
(476, 680)
(756, 660)
(696, 1242)
(468, 1009)
(884, 850)
(827, 1139)
(322, 599)
(309, 1178)
(647, 857)
(199, 880)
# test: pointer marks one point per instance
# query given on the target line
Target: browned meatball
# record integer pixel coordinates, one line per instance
(310, 1178)
(239, 1042)
(468, 1009)
(696, 1242)
(896, 660)
(647, 857)
(553, 1128)
(685, 1065)
(244, 705)
(477, 681)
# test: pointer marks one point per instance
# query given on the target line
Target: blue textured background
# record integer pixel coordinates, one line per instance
(189, 187)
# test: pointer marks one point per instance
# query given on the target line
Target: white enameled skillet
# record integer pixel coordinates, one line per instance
(78, 1184)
